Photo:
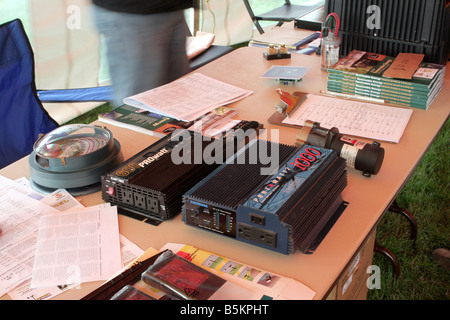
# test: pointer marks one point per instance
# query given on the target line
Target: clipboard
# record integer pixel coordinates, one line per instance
(287, 106)
(374, 120)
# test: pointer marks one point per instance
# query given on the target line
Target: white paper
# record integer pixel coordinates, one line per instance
(61, 200)
(20, 185)
(129, 251)
(187, 98)
(362, 119)
(25, 292)
(18, 203)
(77, 246)
(199, 43)
(19, 220)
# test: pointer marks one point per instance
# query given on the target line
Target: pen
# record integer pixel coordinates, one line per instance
(308, 39)
(351, 96)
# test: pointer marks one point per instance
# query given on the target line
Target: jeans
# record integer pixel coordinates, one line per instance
(144, 51)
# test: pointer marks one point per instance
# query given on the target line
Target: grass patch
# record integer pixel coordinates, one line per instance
(92, 115)
(426, 196)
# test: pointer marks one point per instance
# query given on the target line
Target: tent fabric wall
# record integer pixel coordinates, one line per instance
(66, 44)
(67, 52)
(228, 20)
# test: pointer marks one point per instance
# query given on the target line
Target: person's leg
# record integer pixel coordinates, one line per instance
(178, 61)
(139, 50)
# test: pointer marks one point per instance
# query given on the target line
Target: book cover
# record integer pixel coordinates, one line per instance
(372, 65)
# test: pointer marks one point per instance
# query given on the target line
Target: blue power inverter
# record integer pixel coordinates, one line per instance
(289, 210)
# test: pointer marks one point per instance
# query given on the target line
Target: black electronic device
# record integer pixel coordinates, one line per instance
(366, 157)
(291, 209)
(149, 185)
(311, 21)
(391, 27)
(73, 157)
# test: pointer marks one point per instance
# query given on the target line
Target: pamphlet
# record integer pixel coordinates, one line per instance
(404, 66)
(144, 121)
(188, 98)
(265, 284)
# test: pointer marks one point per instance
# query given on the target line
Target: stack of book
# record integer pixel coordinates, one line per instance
(361, 74)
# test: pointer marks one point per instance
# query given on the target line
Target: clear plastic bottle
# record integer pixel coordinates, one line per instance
(331, 47)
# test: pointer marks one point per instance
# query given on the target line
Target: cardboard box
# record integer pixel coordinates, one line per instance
(352, 284)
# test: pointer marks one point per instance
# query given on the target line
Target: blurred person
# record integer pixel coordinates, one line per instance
(145, 42)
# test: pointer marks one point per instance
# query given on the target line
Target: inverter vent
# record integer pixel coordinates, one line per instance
(166, 175)
(155, 189)
(231, 185)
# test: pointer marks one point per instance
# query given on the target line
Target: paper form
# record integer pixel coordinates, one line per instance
(187, 98)
(20, 185)
(15, 277)
(77, 246)
(356, 118)
(19, 220)
(24, 291)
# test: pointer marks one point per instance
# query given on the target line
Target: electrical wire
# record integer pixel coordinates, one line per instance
(327, 25)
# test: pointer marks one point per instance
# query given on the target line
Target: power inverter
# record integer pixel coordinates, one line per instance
(390, 27)
(291, 209)
(149, 186)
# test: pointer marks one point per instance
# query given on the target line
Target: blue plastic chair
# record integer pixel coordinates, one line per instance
(22, 116)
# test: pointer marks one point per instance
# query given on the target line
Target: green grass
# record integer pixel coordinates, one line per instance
(91, 115)
(426, 196)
